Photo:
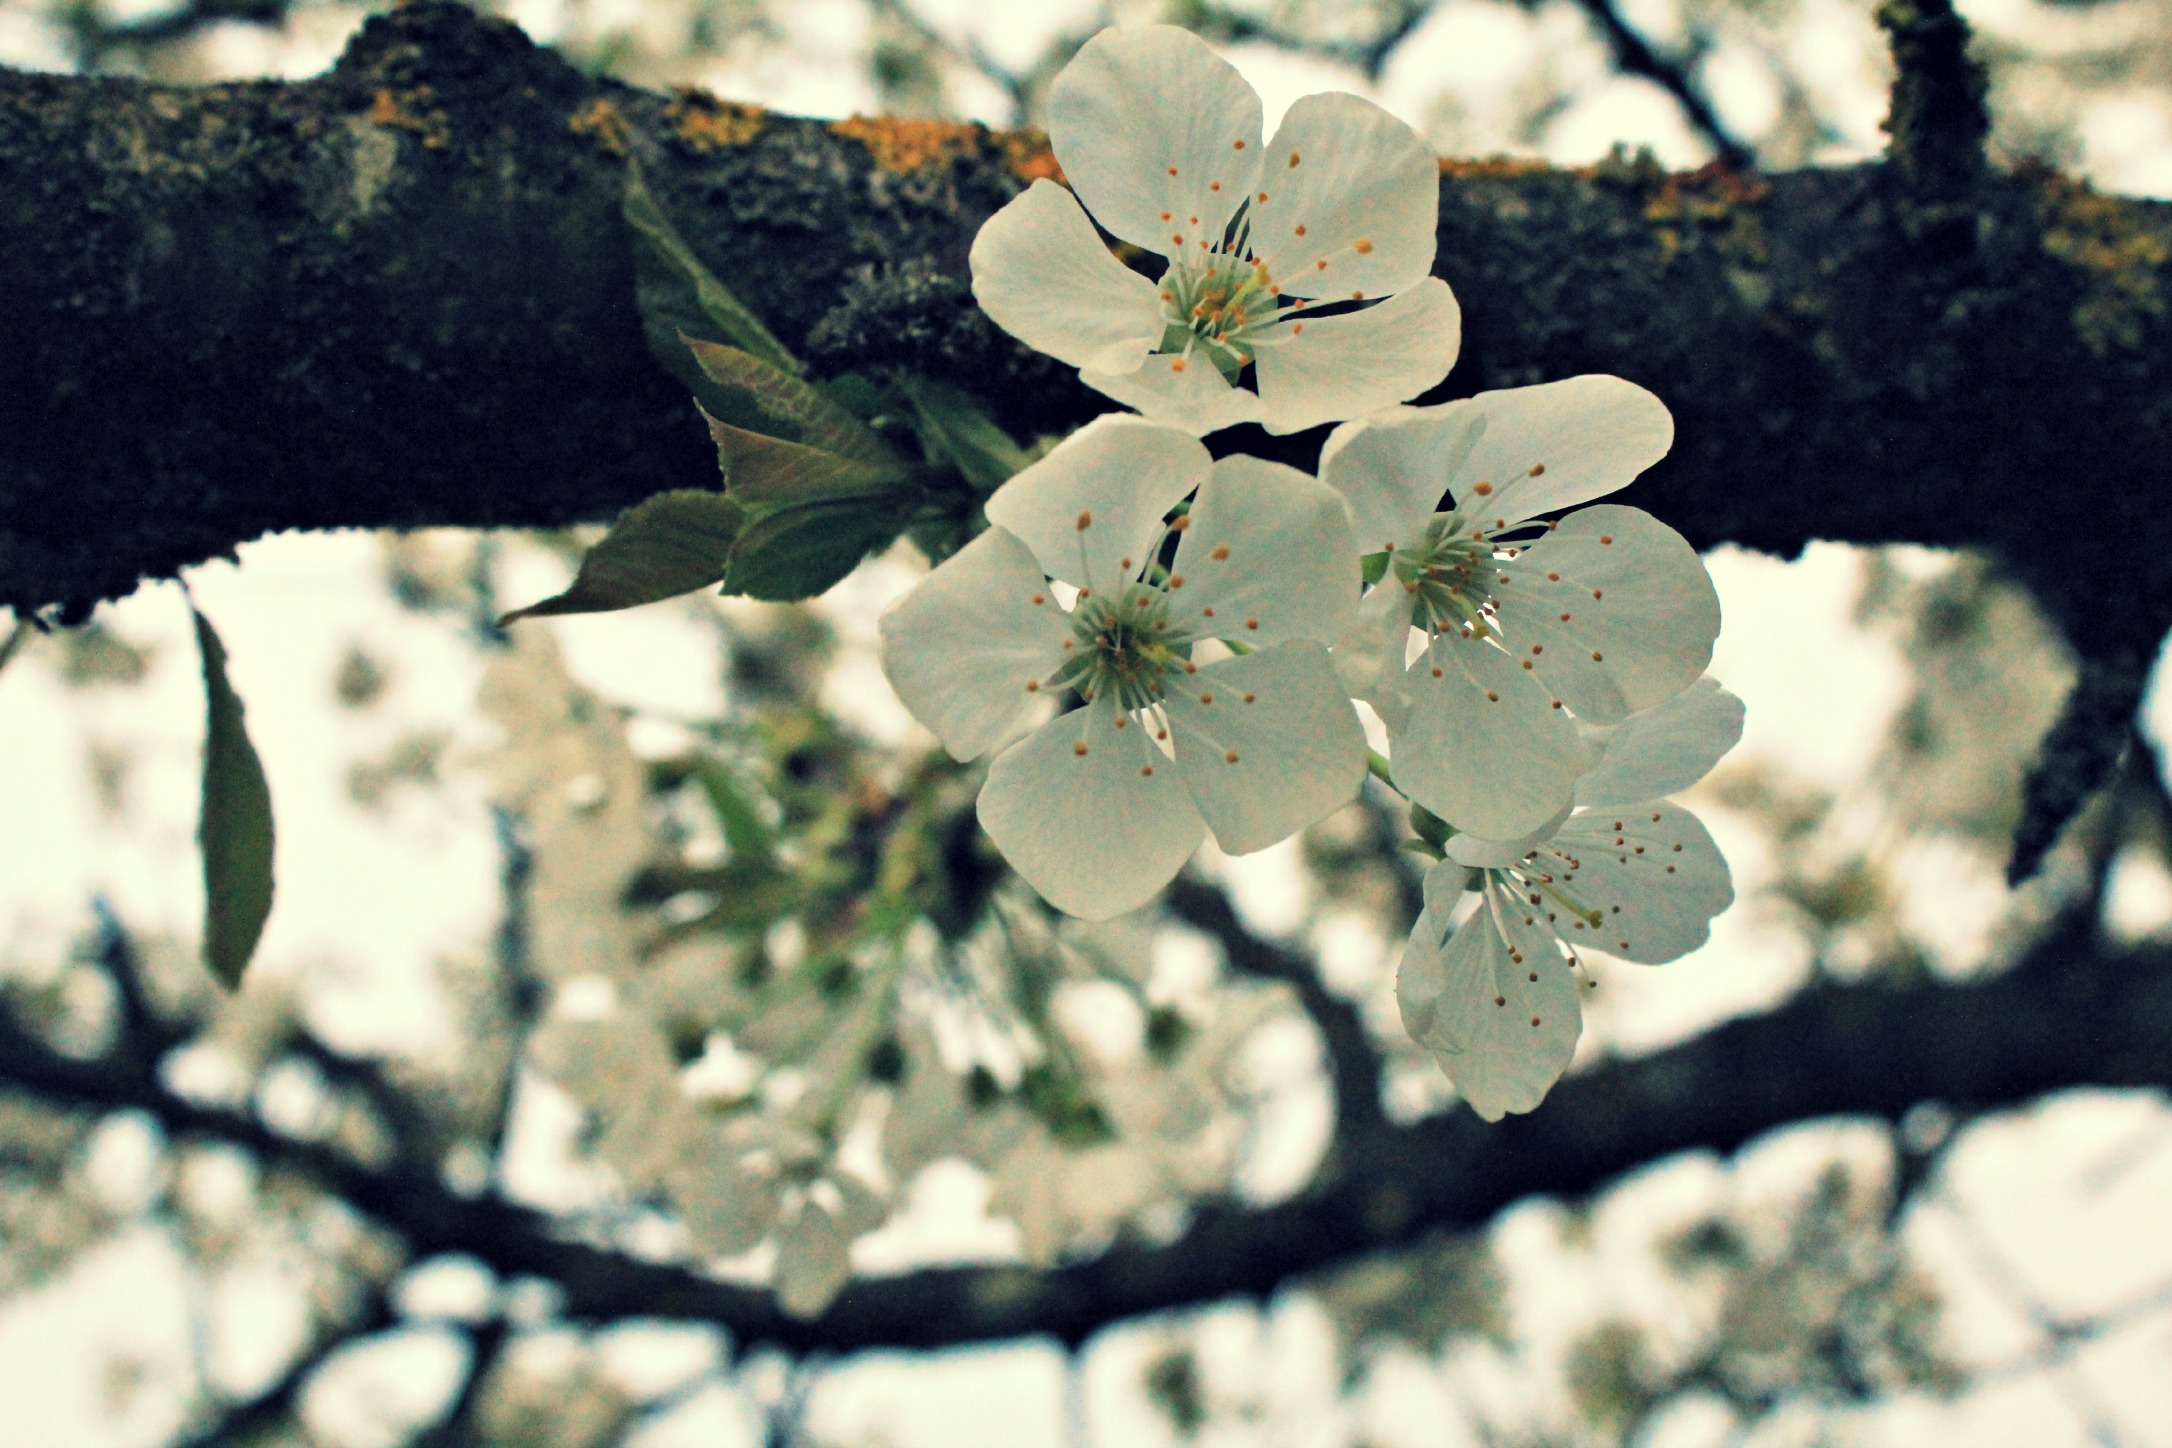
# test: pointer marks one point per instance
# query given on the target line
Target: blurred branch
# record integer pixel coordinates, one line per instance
(273, 1407)
(457, 1429)
(2064, 1335)
(1369, 56)
(1353, 1063)
(96, 37)
(144, 1034)
(1634, 55)
(524, 993)
(2074, 1012)
(965, 50)
(18, 635)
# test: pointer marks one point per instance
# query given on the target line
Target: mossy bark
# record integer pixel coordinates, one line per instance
(400, 294)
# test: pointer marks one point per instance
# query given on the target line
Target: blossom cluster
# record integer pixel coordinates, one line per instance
(1150, 646)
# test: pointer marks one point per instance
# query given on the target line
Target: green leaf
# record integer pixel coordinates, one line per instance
(765, 474)
(235, 824)
(678, 294)
(736, 813)
(763, 399)
(800, 552)
(953, 426)
(669, 544)
(858, 395)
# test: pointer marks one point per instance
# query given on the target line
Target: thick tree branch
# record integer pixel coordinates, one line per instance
(400, 294)
(2072, 1013)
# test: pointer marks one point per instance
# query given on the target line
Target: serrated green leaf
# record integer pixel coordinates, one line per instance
(664, 546)
(678, 294)
(765, 474)
(766, 400)
(234, 825)
(800, 552)
(953, 426)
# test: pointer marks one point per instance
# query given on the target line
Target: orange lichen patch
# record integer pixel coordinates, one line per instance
(2110, 242)
(703, 123)
(1029, 156)
(602, 120)
(908, 145)
(400, 111)
(1715, 203)
(1708, 193)
(1491, 168)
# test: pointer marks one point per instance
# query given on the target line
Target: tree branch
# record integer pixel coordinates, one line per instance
(1634, 55)
(274, 1406)
(2072, 1013)
(1353, 1065)
(400, 295)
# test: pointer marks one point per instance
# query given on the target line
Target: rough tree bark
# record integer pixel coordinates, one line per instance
(400, 294)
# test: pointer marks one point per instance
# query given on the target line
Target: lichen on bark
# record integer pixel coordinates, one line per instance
(400, 294)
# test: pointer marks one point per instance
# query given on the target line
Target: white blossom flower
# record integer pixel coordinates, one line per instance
(1159, 137)
(1496, 995)
(1098, 808)
(1523, 627)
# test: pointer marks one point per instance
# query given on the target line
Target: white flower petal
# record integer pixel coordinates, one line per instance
(1501, 1036)
(1369, 655)
(1185, 392)
(814, 1261)
(1664, 749)
(1483, 746)
(961, 648)
(1098, 498)
(1588, 436)
(1614, 608)
(1476, 850)
(1326, 369)
(1042, 273)
(1392, 468)
(1266, 743)
(1153, 129)
(1652, 872)
(1347, 184)
(1267, 556)
(1097, 833)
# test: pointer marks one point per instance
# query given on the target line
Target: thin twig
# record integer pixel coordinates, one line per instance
(1353, 1061)
(1634, 55)
(274, 1405)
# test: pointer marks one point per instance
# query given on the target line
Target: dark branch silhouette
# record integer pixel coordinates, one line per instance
(2073, 1012)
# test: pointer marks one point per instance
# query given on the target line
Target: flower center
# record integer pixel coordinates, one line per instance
(1126, 646)
(1448, 575)
(1217, 305)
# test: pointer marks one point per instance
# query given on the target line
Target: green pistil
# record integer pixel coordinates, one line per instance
(1214, 310)
(1546, 885)
(1445, 576)
(1126, 646)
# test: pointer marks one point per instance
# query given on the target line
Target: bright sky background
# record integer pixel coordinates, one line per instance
(2070, 1193)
